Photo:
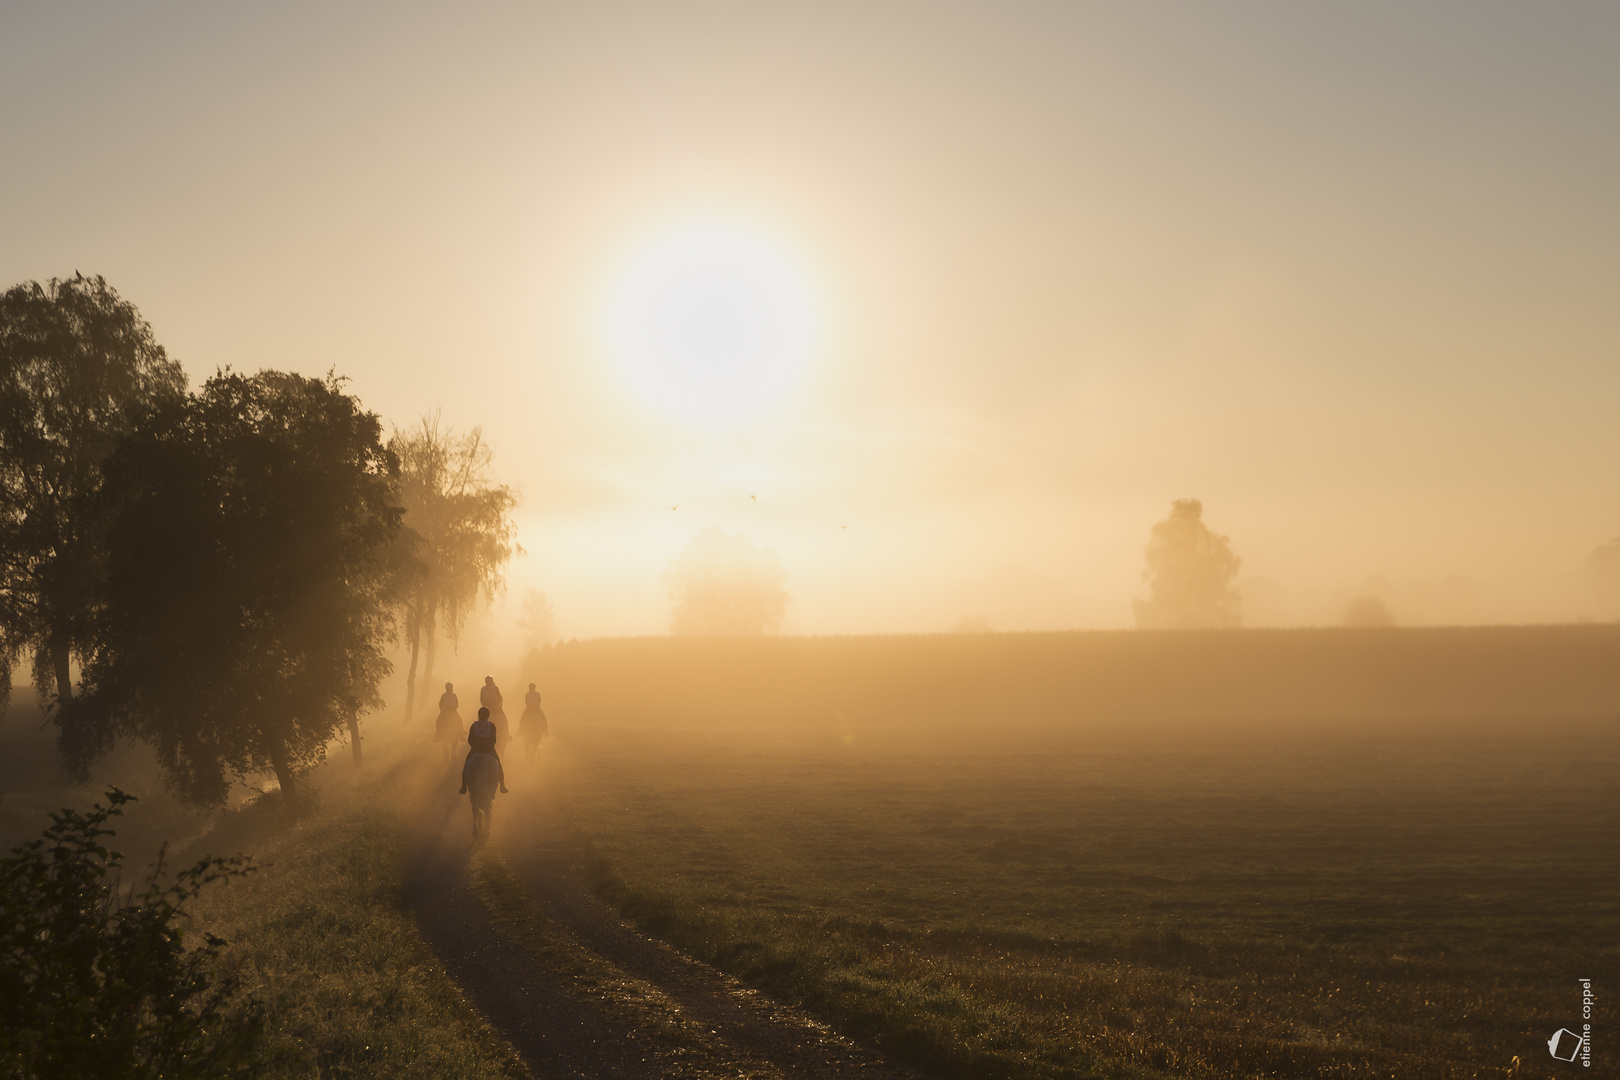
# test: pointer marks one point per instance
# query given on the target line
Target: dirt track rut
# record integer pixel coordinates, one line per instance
(557, 1029)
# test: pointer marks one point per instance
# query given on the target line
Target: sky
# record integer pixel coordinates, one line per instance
(1349, 274)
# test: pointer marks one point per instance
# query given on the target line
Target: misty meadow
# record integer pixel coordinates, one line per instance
(1022, 542)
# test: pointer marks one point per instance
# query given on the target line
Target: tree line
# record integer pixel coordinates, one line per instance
(225, 565)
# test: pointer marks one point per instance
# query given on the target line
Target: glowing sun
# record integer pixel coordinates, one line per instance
(711, 324)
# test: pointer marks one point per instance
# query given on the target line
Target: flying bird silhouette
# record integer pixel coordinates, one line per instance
(752, 499)
(843, 526)
(677, 506)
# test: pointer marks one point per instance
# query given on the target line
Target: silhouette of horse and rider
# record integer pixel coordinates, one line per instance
(482, 773)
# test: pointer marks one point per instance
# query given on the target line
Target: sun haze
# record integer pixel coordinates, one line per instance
(711, 324)
(992, 287)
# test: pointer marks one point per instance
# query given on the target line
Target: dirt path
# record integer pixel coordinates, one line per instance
(563, 1030)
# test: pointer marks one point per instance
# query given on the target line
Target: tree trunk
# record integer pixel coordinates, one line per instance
(410, 676)
(430, 642)
(427, 667)
(284, 773)
(354, 736)
(64, 673)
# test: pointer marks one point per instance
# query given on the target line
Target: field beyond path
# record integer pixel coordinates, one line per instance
(1414, 901)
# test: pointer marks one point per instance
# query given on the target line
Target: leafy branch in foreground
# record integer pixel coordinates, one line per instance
(92, 986)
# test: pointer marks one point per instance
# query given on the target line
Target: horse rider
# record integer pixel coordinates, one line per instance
(481, 737)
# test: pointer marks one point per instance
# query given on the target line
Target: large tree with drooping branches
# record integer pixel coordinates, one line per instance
(78, 368)
(249, 587)
(463, 535)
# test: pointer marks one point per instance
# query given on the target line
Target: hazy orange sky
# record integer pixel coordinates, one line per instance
(1349, 275)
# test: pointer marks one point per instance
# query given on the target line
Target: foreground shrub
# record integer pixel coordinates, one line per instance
(98, 984)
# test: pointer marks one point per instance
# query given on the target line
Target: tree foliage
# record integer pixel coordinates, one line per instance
(96, 985)
(248, 587)
(78, 367)
(725, 585)
(463, 531)
(1189, 573)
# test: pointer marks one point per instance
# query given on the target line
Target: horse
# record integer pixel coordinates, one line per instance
(481, 775)
(532, 729)
(449, 730)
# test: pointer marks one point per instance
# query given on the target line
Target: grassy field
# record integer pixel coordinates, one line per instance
(889, 691)
(1327, 903)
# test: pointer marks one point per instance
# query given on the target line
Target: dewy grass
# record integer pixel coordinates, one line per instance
(1303, 912)
(322, 936)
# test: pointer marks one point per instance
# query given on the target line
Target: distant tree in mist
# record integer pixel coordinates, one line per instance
(1368, 611)
(1189, 573)
(538, 623)
(78, 367)
(725, 585)
(972, 624)
(538, 627)
(1604, 567)
(247, 597)
(460, 530)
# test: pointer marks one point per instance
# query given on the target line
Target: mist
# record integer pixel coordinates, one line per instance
(1049, 300)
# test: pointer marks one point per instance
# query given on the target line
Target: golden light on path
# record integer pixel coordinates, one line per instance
(711, 324)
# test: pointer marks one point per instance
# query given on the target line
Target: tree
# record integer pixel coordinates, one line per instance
(1604, 566)
(723, 584)
(1189, 572)
(538, 627)
(78, 367)
(464, 535)
(539, 620)
(1368, 612)
(247, 597)
(94, 987)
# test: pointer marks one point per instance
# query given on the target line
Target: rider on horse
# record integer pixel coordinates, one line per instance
(481, 737)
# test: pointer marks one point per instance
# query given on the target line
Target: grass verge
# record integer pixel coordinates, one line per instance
(321, 935)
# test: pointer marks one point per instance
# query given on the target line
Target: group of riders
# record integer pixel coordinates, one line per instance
(490, 728)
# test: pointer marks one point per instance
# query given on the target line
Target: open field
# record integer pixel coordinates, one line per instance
(1344, 902)
(906, 691)
(1140, 893)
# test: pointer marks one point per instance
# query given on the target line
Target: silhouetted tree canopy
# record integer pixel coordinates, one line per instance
(96, 985)
(247, 597)
(724, 584)
(463, 531)
(1189, 573)
(78, 366)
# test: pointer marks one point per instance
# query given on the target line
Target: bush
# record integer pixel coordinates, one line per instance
(95, 984)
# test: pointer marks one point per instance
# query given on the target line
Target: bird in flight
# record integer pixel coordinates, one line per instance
(843, 526)
(677, 506)
(752, 499)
